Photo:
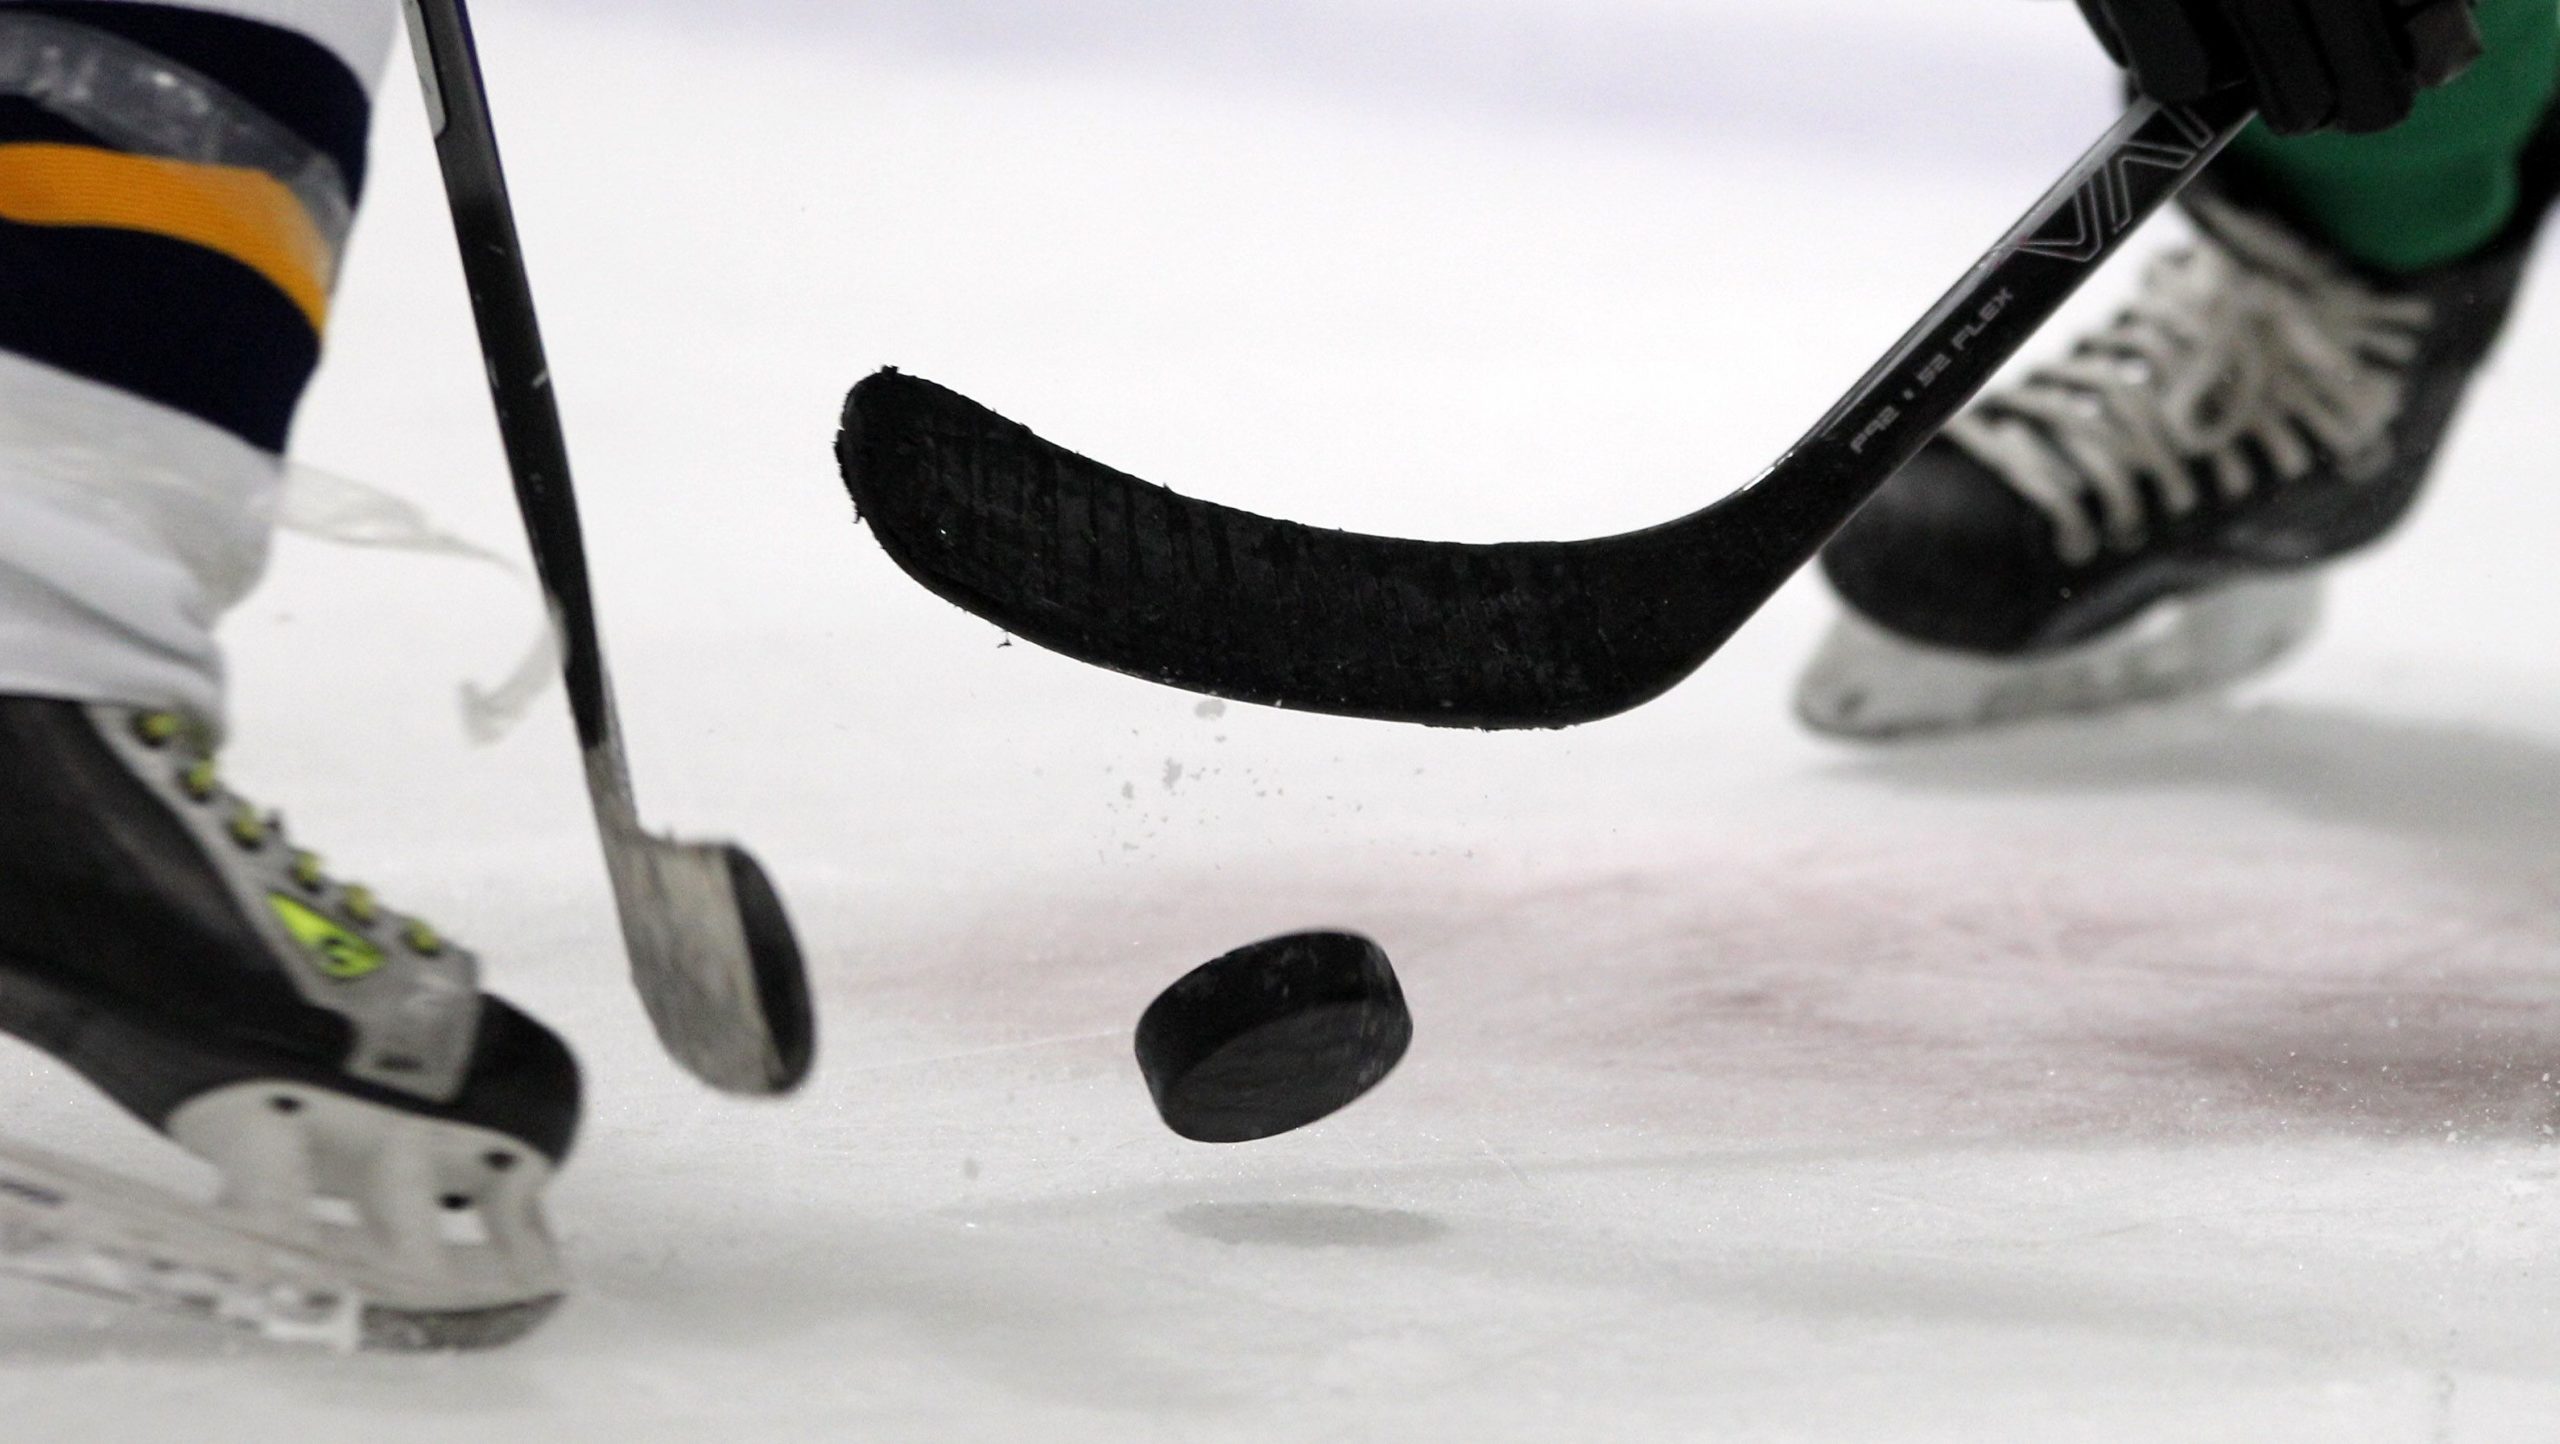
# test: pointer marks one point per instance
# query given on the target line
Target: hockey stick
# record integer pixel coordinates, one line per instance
(1108, 569)
(712, 951)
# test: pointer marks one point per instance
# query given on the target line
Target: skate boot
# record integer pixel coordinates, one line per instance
(2146, 518)
(382, 1129)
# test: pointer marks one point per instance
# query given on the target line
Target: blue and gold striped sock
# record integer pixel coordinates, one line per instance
(175, 192)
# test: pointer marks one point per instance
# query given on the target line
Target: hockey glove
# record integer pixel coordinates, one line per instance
(2350, 65)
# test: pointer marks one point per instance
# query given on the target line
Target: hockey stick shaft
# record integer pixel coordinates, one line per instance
(712, 952)
(1952, 353)
(529, 427)
(1066, 552)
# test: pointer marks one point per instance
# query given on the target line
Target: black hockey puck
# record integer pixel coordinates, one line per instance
(1273, 1036)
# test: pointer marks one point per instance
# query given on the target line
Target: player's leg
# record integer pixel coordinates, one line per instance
(2439, 186)
(176, 185)
(2145, 517)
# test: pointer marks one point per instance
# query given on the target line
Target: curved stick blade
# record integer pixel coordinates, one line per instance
(1103, 567)
(715, 960)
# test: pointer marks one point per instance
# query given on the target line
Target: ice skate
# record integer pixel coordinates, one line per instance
(2147, 517)
(382, 1129)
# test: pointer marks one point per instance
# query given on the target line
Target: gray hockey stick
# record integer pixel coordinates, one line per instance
(712, 951)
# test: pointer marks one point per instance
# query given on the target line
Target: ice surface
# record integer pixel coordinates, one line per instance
(2181, 1078)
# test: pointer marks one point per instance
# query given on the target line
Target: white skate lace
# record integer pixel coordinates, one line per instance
(2246, 341)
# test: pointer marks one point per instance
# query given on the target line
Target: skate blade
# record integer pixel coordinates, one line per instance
(408, 1275)
(74, 1227)
(1869, 685)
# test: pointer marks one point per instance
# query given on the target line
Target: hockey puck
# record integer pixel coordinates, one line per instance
(1273, 1036)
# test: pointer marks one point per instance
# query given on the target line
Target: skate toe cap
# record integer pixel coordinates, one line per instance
(523, 1081)
(1947, 554)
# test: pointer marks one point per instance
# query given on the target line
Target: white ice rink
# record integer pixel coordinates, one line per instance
(2188, 1077)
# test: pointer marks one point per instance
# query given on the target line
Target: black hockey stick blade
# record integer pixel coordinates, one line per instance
(1094, 563)
(712, 953)
(1101, 566)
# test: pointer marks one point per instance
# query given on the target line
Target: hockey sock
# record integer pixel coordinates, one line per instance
(2441, 185)
(176, 186)
(171, 225)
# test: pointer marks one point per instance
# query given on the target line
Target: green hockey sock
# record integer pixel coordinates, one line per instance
(2442, 184)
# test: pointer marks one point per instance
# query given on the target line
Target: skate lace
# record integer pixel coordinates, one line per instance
(2244, 350)
(200, 779)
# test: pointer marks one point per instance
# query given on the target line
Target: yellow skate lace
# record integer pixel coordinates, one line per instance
(201, 781)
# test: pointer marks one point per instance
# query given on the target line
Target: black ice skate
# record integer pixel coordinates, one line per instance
(383, 1130)
(2145, 518)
